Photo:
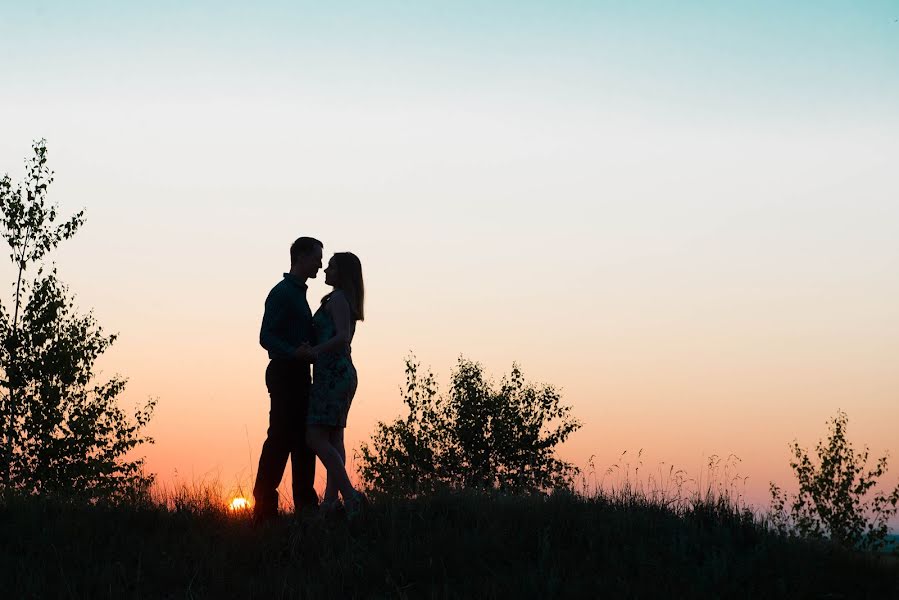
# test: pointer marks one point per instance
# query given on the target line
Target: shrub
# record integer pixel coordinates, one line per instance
(62, 432)
(831, 502)
(478, 436)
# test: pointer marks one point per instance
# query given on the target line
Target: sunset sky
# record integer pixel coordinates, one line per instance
(683, 214)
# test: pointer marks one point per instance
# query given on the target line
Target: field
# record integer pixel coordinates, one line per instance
(449, 546)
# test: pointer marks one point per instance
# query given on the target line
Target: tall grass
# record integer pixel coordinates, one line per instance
(623, 533)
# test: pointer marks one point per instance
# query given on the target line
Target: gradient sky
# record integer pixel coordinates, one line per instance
(684, 214)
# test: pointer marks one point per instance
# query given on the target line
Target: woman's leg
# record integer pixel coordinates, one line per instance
(337, 441)
(318, 437)
(331, 490)
(335, 436)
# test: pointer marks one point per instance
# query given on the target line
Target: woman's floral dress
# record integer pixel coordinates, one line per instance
(333, 377)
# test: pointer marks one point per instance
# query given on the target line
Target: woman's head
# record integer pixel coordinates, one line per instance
(344, 272)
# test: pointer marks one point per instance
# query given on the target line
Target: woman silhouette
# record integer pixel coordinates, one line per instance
(334, 376)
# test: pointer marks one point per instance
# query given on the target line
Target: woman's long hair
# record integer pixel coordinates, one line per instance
(349, 279)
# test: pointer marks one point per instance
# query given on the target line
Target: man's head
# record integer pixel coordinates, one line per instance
(305, 257)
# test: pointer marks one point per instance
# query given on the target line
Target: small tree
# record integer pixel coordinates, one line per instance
(61, 431)
(477, 436)
(831, 502)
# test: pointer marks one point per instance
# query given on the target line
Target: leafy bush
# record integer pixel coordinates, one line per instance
(61, 430)
(478, 436)
(831, 502)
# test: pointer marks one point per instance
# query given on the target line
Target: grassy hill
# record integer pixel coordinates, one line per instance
(459, 545)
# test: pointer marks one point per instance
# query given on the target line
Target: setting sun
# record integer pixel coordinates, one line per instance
(239, 503)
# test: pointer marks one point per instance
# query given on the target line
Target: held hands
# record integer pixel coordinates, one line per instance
(305, 353)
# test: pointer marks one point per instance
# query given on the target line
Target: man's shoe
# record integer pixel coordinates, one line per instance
(264, 514)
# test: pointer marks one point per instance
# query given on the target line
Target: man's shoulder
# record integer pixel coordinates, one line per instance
(282, 288)
(286, 291)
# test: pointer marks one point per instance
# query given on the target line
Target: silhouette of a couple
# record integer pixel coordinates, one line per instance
(308, 415)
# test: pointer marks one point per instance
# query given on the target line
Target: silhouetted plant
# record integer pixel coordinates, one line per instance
(831, 502)
(61, 431)
(477, 436)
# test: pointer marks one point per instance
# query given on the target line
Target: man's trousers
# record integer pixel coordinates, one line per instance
(288, 382)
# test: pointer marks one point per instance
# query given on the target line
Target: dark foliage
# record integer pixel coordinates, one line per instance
(62, 432)
(478, 436)
(836, 499)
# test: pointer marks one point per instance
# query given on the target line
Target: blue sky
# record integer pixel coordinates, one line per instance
(760, 57)
(679, 212)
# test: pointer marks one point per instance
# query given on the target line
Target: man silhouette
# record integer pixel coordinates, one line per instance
(287, 335)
